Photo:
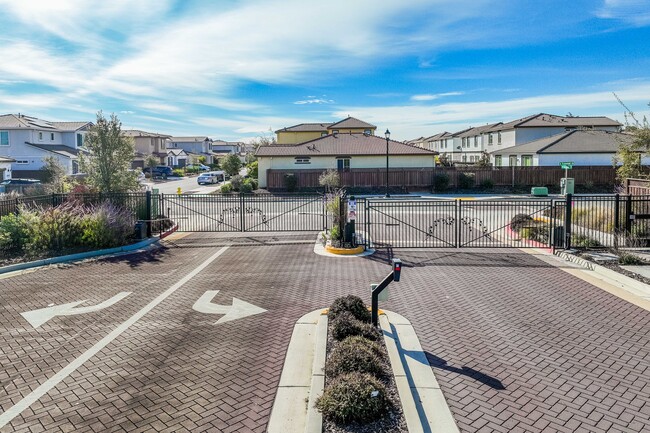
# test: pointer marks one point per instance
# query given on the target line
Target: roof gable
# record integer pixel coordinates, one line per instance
(577, 141)
(352, 123)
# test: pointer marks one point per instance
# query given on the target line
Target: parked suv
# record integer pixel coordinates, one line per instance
(161, 171)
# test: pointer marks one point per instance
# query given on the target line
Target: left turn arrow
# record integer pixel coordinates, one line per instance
(38, 317)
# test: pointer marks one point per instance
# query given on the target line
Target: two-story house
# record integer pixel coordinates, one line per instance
(148, 144)
(304, 132)
(194, 147)
(472, 143)
(535, 127)
(29, 140)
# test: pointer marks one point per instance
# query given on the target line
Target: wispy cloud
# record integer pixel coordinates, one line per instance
(635, 12)
(431, 97)
(314, 101)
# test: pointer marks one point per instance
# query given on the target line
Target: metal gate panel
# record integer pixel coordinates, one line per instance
(203, 212)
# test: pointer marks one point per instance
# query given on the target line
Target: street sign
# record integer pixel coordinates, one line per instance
(566, 165)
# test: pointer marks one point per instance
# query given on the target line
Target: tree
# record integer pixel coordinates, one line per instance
(54, 176)
(253, 170)
(484, 160)
(265, 139)
(109, 159)
(202, 160)
(330, 179)
(231, 164)
(629, 154)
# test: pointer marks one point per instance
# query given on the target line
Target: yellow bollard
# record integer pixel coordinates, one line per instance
(178, 191)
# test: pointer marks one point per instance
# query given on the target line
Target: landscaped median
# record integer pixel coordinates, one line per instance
(306, 365)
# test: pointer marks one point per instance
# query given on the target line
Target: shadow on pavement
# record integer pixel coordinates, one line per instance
(137, 259)
(440, 363)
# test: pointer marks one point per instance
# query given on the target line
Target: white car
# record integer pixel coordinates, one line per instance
(210, 177)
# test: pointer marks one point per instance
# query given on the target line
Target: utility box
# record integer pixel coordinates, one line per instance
(539, 191)
(140, 230)
(558, 237)
(567, 185)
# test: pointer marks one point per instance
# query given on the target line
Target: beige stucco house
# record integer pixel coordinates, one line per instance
(342, 152)
(148, 144)
(310, 131)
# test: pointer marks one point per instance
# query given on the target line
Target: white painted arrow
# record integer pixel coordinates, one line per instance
(237, 310)
(38, 317)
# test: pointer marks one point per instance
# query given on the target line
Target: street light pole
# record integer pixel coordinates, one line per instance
(387, 135)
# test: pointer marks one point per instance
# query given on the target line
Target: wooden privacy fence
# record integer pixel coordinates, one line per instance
(637, 186)
(424, 178)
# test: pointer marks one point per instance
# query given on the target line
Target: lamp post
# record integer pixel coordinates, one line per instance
(387, 135)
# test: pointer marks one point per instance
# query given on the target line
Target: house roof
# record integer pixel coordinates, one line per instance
(306, 127)
(543, 119)
(344, 144)
(189, 139)
(71, 126)
(577, 141)
(477, 130)
(352, 123)
(15, 121)
(458, 133)
(139, 133)
(60, 149)
(176, 152)
(437, 136)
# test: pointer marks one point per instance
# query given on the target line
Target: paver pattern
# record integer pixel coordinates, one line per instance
(516, 344)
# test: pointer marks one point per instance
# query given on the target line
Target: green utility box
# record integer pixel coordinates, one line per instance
(539, 191)
(567, 185)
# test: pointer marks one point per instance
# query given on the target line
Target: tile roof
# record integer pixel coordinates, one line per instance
(543, 119)
(577, 141)
(71, 126)
(352, 123)
(139, 133)
(306, 127)
(344, 144)
(189, 139)
(13, 121)
(60, 149)
(437, 136)
(477, 130)
(176, 152)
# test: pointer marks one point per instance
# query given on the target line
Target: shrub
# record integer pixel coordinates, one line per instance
(582, 241)
(253, 182)
(290, 182)
(178, 172)
(487, 184)
(226, 189)
(354, 397)
(246, 186)
(191, 170)
(355, 354)
(466, 180)
(350, 303)
(629, 259)
(520, 221)
(161, 223)
(345, 325)
(440, 182)
(56, 228)
(106, 226)
(15, 231)
(236, 182)
(335, 233)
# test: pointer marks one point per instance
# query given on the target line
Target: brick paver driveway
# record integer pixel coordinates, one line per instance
(517, 345)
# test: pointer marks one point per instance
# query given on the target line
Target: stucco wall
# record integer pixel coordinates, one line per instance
(290, 137)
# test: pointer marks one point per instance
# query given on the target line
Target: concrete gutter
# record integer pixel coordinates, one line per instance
(303, 380)
(87, 255)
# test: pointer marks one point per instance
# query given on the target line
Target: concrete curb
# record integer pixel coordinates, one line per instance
(87, 255)
(303, 380)
(624, 282)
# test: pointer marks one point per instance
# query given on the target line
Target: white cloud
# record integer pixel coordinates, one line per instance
(314, 101)
(635, 12)
(431, 97)
(159, 106)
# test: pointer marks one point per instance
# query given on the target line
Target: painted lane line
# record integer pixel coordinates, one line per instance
(239, 309)
(45, 387)
(38, 317)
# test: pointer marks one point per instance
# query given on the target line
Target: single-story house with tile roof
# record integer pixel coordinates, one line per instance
(348, 153)
(582, 147)
(5, 167)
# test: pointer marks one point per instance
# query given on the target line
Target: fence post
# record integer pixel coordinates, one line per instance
(617, 219)
(567, 222)
(53, 200)
(149, 216)
(628, 215)
(242, 217)
(457, 228)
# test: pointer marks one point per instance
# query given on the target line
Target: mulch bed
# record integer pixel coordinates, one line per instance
(614, 266)
(393, 422)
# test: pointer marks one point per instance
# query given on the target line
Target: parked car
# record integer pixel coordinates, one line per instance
(161, 171)
(200, 167)
(210, 177)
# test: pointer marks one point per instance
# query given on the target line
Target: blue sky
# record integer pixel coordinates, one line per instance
(234, 70)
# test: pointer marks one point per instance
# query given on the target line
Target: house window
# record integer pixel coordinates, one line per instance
(498, 138)
(4, 138)
(343, 164)
(170, 161)
(323, 134)
(367, 132)
(80, 140)
(527, 160)
(51, 136)
(512, 160)
(40, 136)
(303, 160)
(75, 167)
(475, 141)
(464, 158)
(22, 161)
(497, 161)
(490, 140)
(336, 131)
(463, 142)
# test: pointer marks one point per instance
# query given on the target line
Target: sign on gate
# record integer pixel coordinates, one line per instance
(352, 210)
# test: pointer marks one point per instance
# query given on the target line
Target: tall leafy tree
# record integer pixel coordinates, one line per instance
(231, 164)
(629, 154)
(54, 176)
(110, 156)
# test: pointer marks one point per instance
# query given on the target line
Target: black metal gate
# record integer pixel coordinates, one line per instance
(245, 212)
(455, 223)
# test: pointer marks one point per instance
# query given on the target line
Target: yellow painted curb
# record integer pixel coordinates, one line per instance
(344, 251)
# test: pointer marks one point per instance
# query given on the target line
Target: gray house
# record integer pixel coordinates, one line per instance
(28, 141)
(195, 147)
